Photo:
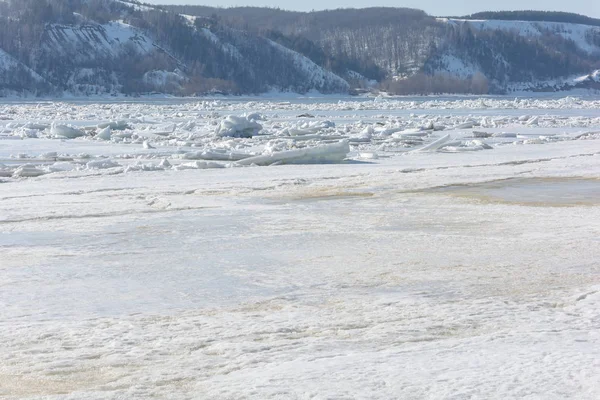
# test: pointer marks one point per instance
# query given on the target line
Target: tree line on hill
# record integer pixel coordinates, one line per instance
(539, 16)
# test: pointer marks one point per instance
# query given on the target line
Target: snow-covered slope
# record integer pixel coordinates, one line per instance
(90, 58)
(310, 73)
(8, 62)
(278, 67)
(581, 35)
(92, 41)
(17, 77)
(227, 48)
(593, 77)
(458, 67)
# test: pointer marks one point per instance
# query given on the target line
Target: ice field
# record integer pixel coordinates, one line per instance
(311, 248)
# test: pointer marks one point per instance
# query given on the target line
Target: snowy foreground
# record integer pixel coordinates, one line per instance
(439, 249)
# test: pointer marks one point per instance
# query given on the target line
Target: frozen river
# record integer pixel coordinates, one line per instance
(447, 249)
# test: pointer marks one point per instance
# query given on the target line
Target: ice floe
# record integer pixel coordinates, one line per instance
(66, 131)
(238, 127)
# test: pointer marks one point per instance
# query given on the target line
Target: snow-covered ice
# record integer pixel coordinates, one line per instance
(418, 248)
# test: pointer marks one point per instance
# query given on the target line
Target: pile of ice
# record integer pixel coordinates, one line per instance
(104, 134)
(324, 154)
(244, 127)
(65, 131)
(5, 171)
(447, 144)
(27, 171)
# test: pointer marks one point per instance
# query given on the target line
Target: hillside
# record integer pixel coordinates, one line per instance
(110, 47)
(88, 47)
(518, 54)
(407, 46)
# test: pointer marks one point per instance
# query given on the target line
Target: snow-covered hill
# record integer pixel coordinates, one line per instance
(517, 55)
(118, 46)
(395, 44)
(105, 58)
(585, 37)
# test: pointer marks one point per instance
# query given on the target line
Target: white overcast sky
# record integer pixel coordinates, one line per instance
(434, 7)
